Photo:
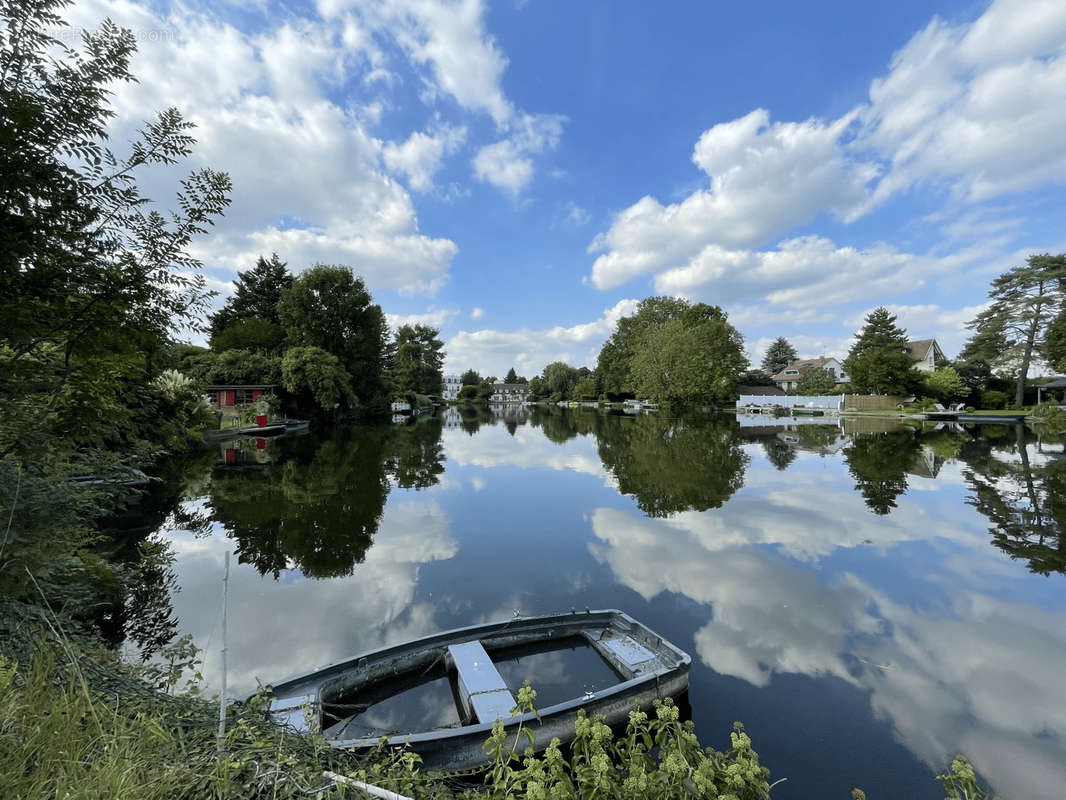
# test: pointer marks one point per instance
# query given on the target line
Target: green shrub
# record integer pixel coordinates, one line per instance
(993, 399)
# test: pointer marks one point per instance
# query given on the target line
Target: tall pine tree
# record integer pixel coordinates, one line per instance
(879, 362)
(779, 355)
(256, 295)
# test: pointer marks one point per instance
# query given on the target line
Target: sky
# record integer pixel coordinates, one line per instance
(521, 174)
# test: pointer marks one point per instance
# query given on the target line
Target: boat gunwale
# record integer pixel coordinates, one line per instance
(312, 683)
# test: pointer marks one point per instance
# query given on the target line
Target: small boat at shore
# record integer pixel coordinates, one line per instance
(456, 684)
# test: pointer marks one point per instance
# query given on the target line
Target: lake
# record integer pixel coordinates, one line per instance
(868, 598)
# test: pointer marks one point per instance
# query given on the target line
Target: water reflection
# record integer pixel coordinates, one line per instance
(800, 562)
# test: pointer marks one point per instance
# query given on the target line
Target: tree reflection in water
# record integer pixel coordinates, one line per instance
(318, 510)
(671, 465)
(879, 463)
(1025, 502)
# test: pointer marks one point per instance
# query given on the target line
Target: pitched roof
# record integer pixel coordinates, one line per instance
(802, 364)
(919, 348)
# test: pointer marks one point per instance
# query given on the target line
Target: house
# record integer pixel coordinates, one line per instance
(787, 378)
(228, 396)
(452, 385)
(926, 354)
(509, 393)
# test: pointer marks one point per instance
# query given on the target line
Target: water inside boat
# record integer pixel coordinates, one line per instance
(560, 670)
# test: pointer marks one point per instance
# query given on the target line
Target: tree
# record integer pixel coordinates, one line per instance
(256, 295)
(511, 376)
(330, 308)
(696, 358)
(584, 389)
(945, 384)
(313, 372)
(779, 355)
(419, 360)
(558, 378)
(468, 392)
(616, 356)
(1055, 343)
(92, 282)
(816, 381)
(1025, 300)
(470, 378)
(879, 362)
(254, 333)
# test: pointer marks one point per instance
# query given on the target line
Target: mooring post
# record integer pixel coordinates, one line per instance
(222, 692)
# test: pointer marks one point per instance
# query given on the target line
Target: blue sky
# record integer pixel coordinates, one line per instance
(521, 174)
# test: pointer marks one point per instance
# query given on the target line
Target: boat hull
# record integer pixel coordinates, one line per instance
(647, 667)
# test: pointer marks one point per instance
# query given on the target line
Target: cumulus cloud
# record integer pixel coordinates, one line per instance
(493, 352)
(477, 313)
(422, 154)
(974, 109)
(507, 164)
(269, 110)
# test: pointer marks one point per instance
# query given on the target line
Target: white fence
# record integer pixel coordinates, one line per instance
(832, 402)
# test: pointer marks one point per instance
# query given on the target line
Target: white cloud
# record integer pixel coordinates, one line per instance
(507, 164)
(477, 313)
(434, 317)
(576, 215)
(764, 179)
(422, 155)
(264, 113)
(975, 109)
(493, 352)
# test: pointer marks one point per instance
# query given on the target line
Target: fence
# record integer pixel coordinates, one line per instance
(871, 402)
(832, 402)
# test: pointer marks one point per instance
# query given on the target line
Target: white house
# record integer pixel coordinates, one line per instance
(452, 385)
(509, 392)
(787, 378)
(926, 354)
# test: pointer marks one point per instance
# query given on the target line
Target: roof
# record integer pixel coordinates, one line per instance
(802, 364)
(919, 348)
(1057, 383)
(219, 386)
(510, 387)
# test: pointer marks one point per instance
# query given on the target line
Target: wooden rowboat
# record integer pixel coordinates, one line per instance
(457, 683)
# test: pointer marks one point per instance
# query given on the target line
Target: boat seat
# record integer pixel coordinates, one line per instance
(482, 692)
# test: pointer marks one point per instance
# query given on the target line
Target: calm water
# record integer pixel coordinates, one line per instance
(868, 602)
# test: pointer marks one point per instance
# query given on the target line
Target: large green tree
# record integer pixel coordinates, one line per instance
(697, 357)
(615, 361)
(879, 361)
(779, 355)
(330, 308)
(1025, 301)
(256, 295)
(93, 280)
(419, 360)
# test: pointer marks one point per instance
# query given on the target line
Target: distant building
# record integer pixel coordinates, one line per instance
(787, 378)
(452, 385)
(226, 396)
(926, 354)
(509, 392)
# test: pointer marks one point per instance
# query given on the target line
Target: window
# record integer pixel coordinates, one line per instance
(792, 372)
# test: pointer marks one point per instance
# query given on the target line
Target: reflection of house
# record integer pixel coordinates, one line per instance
(225, 396)
(509, 392)
(926, 354)
(452, 385)
(925, 464)
(787, 378)
(451, 418)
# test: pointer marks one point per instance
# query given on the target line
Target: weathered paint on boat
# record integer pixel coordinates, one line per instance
(648, 666)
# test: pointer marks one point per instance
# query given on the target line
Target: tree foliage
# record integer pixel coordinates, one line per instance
(779, 355)
(419, 361)
(254, 333)
(93, 281)
(697, 357)
(256, 295)
(1025, 301)
(330, 308)
(614, 364)
(879, 362)
(944, 384)
(316, 373)
(470, 378)
(817, 381)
